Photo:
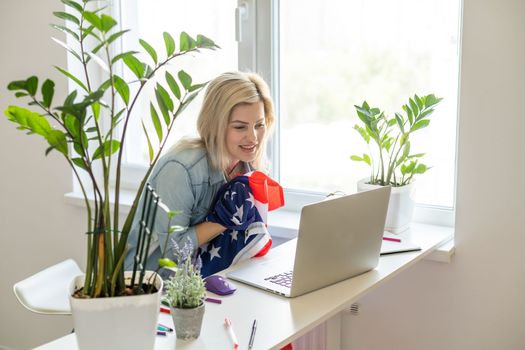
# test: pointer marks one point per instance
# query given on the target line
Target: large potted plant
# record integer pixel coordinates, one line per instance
(391, 159)
(90, 127)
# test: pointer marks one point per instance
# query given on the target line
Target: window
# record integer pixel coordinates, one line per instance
(321, 58)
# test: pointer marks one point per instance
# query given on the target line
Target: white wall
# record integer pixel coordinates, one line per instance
(37, 228)
(478, 301)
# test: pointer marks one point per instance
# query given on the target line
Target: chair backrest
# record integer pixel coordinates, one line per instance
(47, 292)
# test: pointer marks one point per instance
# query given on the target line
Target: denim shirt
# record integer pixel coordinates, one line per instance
(185, 182)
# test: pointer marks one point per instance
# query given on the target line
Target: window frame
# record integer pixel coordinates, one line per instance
(257, 35)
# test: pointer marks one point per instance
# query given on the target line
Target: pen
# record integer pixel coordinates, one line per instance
(231, 334)
(164, 329)
(164, 326)
(392, 239)
(213, 300)
(252, 335)
(161, 333)
(164, 310)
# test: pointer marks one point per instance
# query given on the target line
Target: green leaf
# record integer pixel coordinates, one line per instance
(185, 79)
(196, 87)
(72, 4)
(156, 121)
(28, 120)
(66, 30)
(150, 50)
(72, 77)
(408, 111)
(413, 106)
(420, 169)
(170, 43)
(163, 108)
(176, 228)
(399, 120)
(184, 41)
(48, 90)
(116, 35)
(165, 97)
(205, 42)
(134, 65)
(72, 125)
(174, 87)
(122, 88)
(68, 49)
(150, 147)
(57, 140)
(365, 158)
(67, 16)
(32, 85)
(21, 94)
(94, 19)
(95, 107)
(17, 85)
(107, 22)
(107, 148)
(79, 163)
(420, 125)
(122, 55)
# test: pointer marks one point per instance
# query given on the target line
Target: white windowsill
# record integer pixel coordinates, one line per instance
(284, 224)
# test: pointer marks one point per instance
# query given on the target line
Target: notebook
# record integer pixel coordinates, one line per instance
(337, 239)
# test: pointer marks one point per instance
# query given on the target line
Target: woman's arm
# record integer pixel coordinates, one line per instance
(206, 231)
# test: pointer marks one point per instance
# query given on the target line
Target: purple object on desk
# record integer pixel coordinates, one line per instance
(218, 285)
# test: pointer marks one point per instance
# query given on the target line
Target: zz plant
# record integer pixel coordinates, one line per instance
(90, 127)
(390, 159)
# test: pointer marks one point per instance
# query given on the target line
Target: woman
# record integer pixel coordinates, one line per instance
(234, 125)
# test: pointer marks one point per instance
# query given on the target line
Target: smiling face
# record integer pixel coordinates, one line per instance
(245, 131)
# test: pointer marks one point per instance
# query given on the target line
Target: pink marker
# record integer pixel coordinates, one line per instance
(229, 327)
(392, 239)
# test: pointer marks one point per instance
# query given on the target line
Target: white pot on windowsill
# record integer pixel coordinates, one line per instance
(400, 207)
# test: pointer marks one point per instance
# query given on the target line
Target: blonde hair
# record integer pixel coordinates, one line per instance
(223, 94)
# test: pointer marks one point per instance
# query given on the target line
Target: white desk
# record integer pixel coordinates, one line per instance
(282, 320)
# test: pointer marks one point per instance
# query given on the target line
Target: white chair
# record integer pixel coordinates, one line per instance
(47, 292)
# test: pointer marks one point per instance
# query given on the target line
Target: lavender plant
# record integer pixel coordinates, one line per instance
(186, 288)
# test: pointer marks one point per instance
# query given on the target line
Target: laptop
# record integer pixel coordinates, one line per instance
(338, 238)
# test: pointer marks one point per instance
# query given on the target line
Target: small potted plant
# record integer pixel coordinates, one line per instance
(185, 293)
(391, 160)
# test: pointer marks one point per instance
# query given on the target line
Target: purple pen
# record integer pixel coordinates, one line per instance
(161, 333)
(213, 300)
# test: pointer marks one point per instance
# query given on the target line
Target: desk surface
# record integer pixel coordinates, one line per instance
(282, 320)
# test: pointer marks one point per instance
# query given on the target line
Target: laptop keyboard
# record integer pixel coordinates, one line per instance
(282, 279)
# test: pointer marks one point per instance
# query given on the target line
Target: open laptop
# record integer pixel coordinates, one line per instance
(337, 239)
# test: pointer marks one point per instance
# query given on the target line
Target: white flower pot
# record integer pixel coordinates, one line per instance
(400, 207)
(127, 322)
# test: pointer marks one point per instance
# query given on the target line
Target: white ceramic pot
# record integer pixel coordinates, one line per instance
(400, 207)
(128, 322)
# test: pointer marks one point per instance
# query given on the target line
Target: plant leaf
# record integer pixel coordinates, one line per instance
(184, 41)
(163, 108)
(79, 163)
(134, 65)
(420, 125)
(170, 43)
(67, 16)
(122, 55)
(172, 83)
(107, 22)
(48, 90)
(57, 140)
(107, 148)
(165, 97)
(72, 4)
(205, 42)
(150, 147)
(66, 30)
(122, 88)
(32, 85)
(99, 61)
(116, 35)
(72, 77)
(156, 121)
(94, 19)
(149, 49)
(165, 262)
(185, 79)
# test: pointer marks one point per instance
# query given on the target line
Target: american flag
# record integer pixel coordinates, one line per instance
(241, 205)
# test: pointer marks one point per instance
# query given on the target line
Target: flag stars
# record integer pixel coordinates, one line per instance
(214, 253)
(234, 234)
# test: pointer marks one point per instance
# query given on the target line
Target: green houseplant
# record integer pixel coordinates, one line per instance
(89, 129)
(185, 294)
(391, 159)
(76, 128)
